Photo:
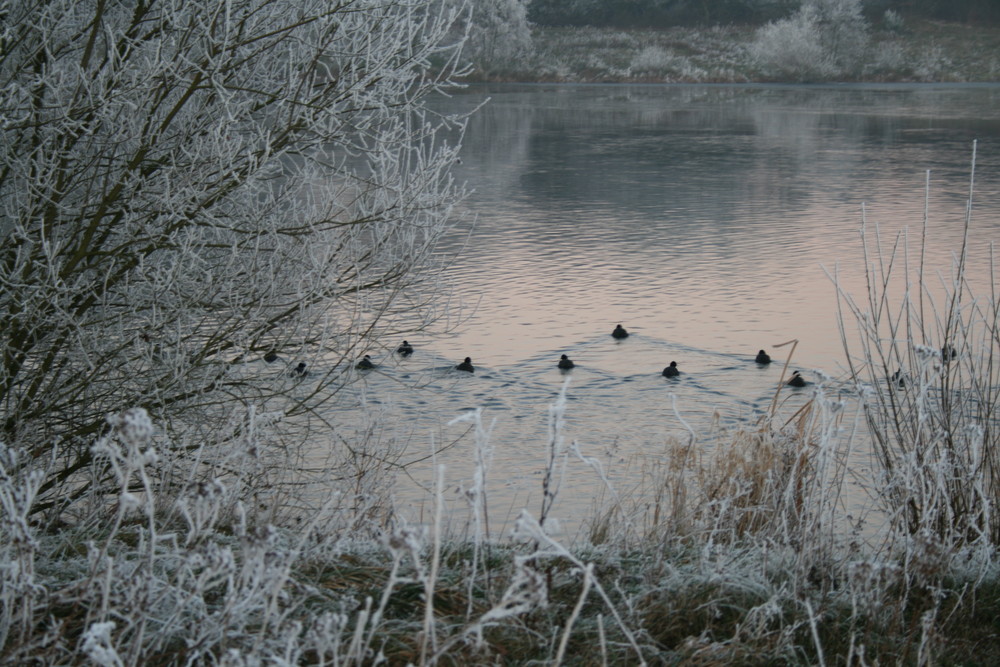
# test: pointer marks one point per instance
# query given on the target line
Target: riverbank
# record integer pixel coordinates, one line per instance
(918, 51)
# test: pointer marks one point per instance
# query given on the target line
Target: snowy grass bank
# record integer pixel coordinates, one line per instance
(732, 560)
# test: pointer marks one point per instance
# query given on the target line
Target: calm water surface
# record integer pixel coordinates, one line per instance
(700, 217)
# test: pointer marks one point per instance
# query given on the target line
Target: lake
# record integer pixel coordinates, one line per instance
(702, 218)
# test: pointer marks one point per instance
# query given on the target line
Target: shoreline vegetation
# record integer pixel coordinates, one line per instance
(173, 494)
(917, 51)
(739, 553)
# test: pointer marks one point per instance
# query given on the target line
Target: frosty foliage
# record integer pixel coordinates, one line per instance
(499, 36)
(892, 21)
(926, 367)
(752, 563)
(651, 58)
(655, 13)
(186, 187)
(98, 645)
(824, 39)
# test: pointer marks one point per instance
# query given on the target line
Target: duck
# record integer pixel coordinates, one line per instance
(619, 332)
(299, 371)
(466, 366)
(366, 363)
(796, 380)
(899, 379)
(763, 357)
(565, 363)
(271, 357)
(671, 371)
(949, 353)
(405, 349)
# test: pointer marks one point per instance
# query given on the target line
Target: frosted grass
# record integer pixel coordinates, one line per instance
(751, 531)
(733, 549)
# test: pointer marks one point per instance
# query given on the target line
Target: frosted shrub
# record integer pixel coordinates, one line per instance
(194, 198)
(756, 574)
(825, 39)
(129, 589)
(791, 47)
(932, 64)
(890, 58)
(843, 31)
(892, 21)
(19, 486)
(651, 59)
(499, 34)
(188, 189)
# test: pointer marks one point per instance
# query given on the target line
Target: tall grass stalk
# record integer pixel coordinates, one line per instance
(588, 578)
(594, 464)
(526, 528)
(476, 496)
(924, 358)
(815, 634)
(784, 369)
(555, 467)
(429, 637)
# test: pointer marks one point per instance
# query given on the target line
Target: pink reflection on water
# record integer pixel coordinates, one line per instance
(703, 225)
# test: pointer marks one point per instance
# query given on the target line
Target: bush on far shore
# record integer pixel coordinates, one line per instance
(656, 13)
(824, 40)
(893, 49)
(668, 13)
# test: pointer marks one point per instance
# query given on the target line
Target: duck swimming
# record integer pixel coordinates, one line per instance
(466, 366)
(671, 370)
(271, 357)
(299, 371)
(405, 349)
(763, 357)
(365, 363)
(565, 363)
(619, 332)
(796, 380)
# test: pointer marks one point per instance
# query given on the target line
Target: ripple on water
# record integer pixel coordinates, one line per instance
(700, 217)
(619, 408)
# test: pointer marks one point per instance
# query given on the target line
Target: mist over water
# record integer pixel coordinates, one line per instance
(701, 218)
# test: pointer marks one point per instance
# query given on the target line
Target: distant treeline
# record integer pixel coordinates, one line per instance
(662, 13)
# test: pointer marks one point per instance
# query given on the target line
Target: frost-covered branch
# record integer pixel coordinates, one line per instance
(187, 188)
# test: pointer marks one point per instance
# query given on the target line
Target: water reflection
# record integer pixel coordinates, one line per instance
(701, 217)
(702, 213)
